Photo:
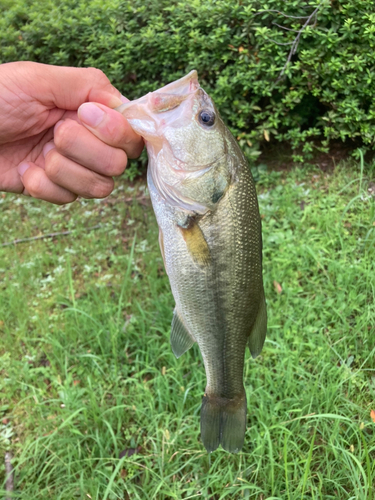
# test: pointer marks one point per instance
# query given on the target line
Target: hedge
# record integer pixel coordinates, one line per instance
(239, 49)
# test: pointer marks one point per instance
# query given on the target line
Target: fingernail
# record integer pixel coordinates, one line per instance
(124, 99)
(47, 147)
(22, 167)
(90, 114)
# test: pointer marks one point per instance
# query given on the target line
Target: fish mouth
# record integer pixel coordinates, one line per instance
(185, 85)
(166, 98)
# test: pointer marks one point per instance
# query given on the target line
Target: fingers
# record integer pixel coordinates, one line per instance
(111, 127)
(65, 87)
(74, 141)
(82, 159)
(38, 185)
(85, 154)
(75, 178)
(62, 180)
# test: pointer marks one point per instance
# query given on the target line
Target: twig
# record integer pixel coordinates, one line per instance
(285, 28)
(295, 43)
(44, 236)
(282, 13)
(9, 475)
(141, 199)
(279, 43)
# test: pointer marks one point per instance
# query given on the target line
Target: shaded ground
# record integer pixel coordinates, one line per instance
(278, 156)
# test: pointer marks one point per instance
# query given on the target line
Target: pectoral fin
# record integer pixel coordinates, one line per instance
(259, 330)
(196, 243)
(181, 339)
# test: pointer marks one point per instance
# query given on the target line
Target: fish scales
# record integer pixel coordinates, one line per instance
(206, 207)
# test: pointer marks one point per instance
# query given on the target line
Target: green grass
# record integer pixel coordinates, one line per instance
(87, 373)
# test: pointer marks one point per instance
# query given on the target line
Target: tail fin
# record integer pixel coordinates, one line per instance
(223, 421)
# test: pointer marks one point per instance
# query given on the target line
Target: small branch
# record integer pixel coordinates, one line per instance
(9, 475)
(282, 13)
(295, 43)
(44, 236)
(142, 199)
(279, 43)
(285, 28)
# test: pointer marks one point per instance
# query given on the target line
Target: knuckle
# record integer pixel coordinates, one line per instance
(65, 135)
(35, 186)
(115, 163)
(68, 198)
(136, 150)
(102, 188)
(53, 165)
(98, 75)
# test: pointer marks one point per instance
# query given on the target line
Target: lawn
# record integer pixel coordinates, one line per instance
(93, 404)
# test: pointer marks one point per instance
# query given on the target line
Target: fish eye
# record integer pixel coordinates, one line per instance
(207, 117)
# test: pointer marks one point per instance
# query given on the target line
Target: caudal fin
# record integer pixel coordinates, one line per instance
(223, 421)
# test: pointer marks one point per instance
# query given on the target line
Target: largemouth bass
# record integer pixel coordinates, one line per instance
(206, 207)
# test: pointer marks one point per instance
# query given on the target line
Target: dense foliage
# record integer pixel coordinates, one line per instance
(239, 49)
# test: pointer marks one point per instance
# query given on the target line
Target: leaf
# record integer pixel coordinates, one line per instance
(266, 135)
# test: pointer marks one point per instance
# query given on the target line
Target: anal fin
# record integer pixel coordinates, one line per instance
(258, 332)
(181, 339)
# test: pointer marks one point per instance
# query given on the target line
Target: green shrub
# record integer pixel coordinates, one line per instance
(239, 49)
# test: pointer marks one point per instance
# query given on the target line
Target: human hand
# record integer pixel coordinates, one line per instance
(55, 143)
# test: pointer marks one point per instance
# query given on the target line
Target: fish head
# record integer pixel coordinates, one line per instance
(187, 144)
(181, 120)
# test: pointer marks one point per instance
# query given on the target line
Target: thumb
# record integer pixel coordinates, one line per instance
(68, 88)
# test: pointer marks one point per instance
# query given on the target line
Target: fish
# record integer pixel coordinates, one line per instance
(206, 207)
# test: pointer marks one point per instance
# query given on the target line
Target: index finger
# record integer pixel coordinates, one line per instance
(65, 87)
(110, 127)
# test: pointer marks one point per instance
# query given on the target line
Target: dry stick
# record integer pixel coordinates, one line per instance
(285, 28)
(43, 236)
(295, 43)
(282, 13)
(141, 199)
(64, 233)
(9, 482)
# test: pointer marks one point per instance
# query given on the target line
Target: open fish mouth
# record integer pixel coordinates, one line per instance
(166, 98)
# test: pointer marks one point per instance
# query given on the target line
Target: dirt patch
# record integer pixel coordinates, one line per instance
(279, 156)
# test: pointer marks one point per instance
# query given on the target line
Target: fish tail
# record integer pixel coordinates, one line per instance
(223, 421)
